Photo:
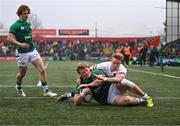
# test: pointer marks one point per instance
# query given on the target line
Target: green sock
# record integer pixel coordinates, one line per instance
(45, 86)
(19, 83)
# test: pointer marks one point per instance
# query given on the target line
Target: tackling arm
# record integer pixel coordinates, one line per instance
(117, 79)
(96, 82)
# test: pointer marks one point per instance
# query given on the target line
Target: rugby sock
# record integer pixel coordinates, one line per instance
(140, 100)
(145, 96)
(19, 84)
(72, 94)
(45, 86)
(69, 95)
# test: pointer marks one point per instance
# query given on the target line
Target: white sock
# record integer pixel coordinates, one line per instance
(140, 100)
(45, 88)
(68, 95)
(145, 96)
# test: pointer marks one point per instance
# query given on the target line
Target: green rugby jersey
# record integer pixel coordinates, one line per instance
(23, 33)
(88, 80)
(100, 93)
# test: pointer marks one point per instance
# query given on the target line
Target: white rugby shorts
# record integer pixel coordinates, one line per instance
(113, 93)
(24, 58)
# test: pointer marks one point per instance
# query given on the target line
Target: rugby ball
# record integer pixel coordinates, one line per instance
(87, 98)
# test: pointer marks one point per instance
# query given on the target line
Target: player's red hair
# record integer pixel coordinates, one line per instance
(22, 9)
(117, 56)
(82, 66)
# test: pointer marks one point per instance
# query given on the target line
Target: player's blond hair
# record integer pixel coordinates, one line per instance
(82, 66)
(22, 9)
(117, 56)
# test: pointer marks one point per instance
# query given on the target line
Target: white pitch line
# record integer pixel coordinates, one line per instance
(25, 97)
(30, 86)
(165, 75)
(161, 98)
(173, 98)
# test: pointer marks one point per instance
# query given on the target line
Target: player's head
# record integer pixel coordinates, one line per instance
(23, 12)
(83, 69)
(116, 61)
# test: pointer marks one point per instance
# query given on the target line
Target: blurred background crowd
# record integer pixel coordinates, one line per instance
(135, 52)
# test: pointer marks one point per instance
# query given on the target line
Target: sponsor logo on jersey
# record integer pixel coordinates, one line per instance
(27, 37)
(22, 28)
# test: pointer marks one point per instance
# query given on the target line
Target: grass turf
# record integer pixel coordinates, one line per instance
(38, 110)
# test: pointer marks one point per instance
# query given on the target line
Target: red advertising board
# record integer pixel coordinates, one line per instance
(73, 32)
(5, 59)
(44, 32)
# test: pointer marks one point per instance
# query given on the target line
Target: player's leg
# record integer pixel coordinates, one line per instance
(126, 60)
(140, 60)
(144, 60)
(19, 78)
(68, 95)
(22, 62)
(126, 100)
(21, 74)
(65, 96)
(117, 96)
(79, 98)
(39, 64)
(39, 84)
(41, 69)
(132, 87)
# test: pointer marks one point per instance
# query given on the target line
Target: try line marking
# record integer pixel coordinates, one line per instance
(161, 98)
(31, 86)
(160, 74)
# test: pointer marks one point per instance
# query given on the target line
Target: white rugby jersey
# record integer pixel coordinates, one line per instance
(105, 67)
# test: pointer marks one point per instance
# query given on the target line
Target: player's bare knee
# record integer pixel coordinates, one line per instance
(127, 100)
(77, 102)
(42, 71)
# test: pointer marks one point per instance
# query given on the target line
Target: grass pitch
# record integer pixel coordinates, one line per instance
(38, 110)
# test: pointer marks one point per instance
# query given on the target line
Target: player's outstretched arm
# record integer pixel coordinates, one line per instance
(96, 82)
(117, 79)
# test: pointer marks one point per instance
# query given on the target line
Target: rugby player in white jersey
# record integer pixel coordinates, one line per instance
(115, 72)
